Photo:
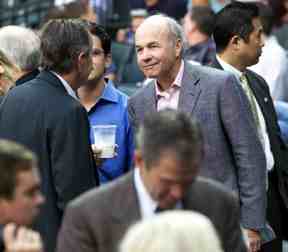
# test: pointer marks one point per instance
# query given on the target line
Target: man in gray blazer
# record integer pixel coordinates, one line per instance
(233, 153)
(167, 159)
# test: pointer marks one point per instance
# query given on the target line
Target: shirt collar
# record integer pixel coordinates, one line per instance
(68, 88)
(109, 93)
(176, 83)
(229, 68)
(147, 204)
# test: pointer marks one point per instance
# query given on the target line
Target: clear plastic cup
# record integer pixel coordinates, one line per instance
(104, 139)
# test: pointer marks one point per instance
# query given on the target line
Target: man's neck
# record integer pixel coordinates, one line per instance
(71, 80)
(167, 81)
(91, 92)
(232, 60)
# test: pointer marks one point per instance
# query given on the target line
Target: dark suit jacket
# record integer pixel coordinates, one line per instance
(44, 117)
(98, 220)
(278, 147)
(262, 94)
(233, 153)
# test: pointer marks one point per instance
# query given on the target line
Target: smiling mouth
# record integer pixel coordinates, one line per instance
(149, 66)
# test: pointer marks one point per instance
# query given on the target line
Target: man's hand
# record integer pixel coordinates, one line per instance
(97, 154)
(254, 240)
(21, 239)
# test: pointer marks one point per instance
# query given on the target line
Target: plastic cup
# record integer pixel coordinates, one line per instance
(104, 139)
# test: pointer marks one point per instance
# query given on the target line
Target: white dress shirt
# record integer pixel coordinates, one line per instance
(263, 129)
(146, 203)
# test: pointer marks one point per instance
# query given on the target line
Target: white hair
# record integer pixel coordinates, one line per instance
(21, 45)
(172, 231)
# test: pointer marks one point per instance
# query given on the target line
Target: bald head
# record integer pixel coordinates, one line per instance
(163, 23)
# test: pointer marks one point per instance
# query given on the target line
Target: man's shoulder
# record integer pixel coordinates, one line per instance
(208, 188)
(207, 71)
(103, 196)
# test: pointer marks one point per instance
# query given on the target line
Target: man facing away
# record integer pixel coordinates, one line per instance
(20, 198)
(167, 161)
(239, 41)
(233, 153)
(45, 115)
(107, 106)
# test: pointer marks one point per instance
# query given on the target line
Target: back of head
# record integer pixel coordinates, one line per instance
(99, 31)
(62, 40)
(169, 130)
(267, 18)
(204, 18)
(14, 158)
(21, 45)
(172, 231)
(234, 19)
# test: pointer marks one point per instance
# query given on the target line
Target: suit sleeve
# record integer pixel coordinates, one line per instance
(71, 158)
(247, 152)
(74, 235)
(233, 237)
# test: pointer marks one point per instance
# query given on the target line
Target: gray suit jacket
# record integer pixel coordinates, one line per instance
(233, 153)
(98, 220)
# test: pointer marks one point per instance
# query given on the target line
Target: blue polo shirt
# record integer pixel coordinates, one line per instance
(111, 108)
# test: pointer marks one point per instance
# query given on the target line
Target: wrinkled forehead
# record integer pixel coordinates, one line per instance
(149, 32)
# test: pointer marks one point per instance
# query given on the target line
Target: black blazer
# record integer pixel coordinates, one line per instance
(279, 149)
(44, 117)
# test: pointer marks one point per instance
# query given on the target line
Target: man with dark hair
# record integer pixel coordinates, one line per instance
(167, 161)
(239, 40)
(20, 198)
(45, 115)
(233, 154)
(198, 27)
(107, 106)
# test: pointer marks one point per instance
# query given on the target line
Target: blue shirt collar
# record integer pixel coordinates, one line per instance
(109, 93)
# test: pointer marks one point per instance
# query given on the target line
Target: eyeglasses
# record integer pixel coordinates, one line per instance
(97, 52)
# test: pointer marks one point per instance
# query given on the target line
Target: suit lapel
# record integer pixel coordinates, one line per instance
(150, 97)
(126, 208)
(190, 89)
(258, 93)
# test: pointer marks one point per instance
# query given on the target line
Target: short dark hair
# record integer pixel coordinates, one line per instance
(62, 40)
(99, 31)
(267, 17)
(204, 17)
(14, 158)
(234, 19)
(169, 130)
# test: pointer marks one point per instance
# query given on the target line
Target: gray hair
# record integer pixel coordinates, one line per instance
(169, 130)
(174, 28)
(172, 231)
(21, 45)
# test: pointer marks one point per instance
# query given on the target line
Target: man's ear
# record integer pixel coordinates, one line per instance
(178, 47)
(235, 42)
(108, 60)
(82, 57)
(138, 160)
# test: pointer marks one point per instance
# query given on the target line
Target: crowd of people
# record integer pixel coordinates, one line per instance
(200, 159)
